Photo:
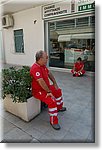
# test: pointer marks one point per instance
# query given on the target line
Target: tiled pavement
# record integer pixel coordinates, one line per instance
(77, 123)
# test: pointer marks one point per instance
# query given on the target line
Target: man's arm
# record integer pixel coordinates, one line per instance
(43, 84)
(53, 80)
(45, 87)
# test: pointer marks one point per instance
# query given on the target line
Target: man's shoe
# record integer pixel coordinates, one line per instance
(56, 126)
(62, 109)
(74, 75)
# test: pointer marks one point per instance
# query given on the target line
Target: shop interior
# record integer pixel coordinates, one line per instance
(69, 41)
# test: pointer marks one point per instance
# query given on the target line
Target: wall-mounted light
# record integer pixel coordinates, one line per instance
(35, 21)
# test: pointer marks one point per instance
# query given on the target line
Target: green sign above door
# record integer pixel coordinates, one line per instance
(86, 7)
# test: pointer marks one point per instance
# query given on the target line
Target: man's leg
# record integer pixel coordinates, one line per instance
(58, 96)
(52, 108)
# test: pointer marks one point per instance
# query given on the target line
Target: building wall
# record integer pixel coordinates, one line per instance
(1, 49)
(33, 37)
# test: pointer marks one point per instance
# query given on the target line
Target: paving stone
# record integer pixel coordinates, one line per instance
(7, 126)
(44, 115)
(66, 123)
(81, 130)
(12, 118)
(72, 115)
(34, 132)
(73, 137)
(17, 136)
(53, 136)
(87, 117)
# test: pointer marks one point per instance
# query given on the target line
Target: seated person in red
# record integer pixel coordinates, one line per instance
(78, 69)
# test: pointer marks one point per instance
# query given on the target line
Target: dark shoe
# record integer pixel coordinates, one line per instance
(74, 75)
(63, 109)
(56, 126)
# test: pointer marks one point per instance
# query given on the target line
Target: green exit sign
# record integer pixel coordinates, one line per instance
(86, 7)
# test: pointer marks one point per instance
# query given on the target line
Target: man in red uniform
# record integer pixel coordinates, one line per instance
(78, 69)
(44, 91)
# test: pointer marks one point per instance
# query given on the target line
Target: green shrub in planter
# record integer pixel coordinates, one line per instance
(17, 83)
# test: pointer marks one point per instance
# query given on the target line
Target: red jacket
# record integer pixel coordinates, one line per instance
(36, 73)
(78, 66)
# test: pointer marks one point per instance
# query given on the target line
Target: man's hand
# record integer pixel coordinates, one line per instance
(49, 94)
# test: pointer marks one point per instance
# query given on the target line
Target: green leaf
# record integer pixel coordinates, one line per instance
(17, 82)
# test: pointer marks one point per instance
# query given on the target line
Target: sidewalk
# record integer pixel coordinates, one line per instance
(77, 123)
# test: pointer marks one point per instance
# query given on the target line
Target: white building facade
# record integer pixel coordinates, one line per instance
(65, 29)
(33, 37)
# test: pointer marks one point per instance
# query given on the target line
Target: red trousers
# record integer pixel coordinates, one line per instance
(54, 103)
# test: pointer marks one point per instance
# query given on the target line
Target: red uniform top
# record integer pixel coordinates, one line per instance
(36, 73)
(78, 66)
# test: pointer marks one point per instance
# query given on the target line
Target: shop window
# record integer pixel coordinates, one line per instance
(52, 25)
(65, 24)
(72, 23)
(92, 20)
(65, 46)
(18, 39)
(82, 21)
